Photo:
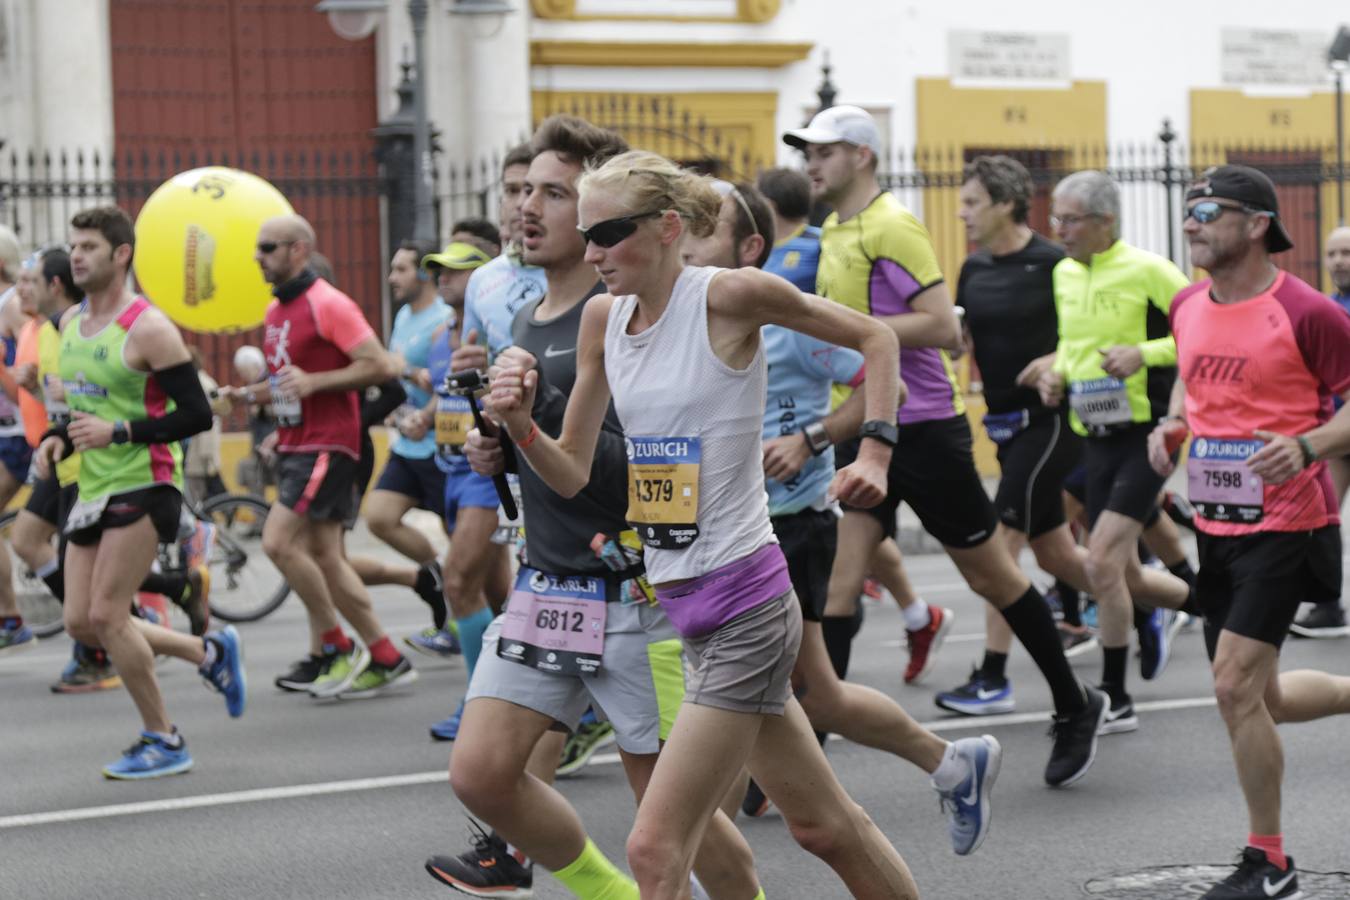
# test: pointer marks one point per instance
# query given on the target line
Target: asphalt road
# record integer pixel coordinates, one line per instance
(302, 799)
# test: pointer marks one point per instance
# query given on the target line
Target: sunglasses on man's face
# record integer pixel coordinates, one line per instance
(271, 246)
(1207, 211)
(611, 231)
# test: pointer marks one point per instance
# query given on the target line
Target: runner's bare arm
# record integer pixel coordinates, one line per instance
(932, 322)
(564, 464)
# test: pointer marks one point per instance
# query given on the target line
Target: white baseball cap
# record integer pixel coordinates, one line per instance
(849, 124)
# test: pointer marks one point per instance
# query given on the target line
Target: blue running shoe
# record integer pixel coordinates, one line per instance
(15, 636)
(1155, 642)
(448, 729)
(438, 642)
(967, 805)
(150, 757)
(227, 672)
(980, 696)
(1089, 614)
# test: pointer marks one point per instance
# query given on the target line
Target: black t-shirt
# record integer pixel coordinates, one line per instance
(558, 531)
(1010, 310)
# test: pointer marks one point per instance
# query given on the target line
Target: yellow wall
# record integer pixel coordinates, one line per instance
(952, 120)
(744, 121)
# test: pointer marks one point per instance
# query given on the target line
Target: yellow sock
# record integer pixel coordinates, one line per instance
(760, 895)
(591, 876)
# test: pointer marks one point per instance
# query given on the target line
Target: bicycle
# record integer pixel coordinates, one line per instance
(245, 584)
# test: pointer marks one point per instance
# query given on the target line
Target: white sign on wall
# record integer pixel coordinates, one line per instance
(719, 9)
(1267, 56)
(1014, 55)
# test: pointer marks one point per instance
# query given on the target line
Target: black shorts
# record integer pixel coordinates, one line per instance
(808, 540)
(1035, 464)
(1252, 584)
(420, 479)
(50, 502)
(162, 503)
(1119, 477)
(933, 470)
(316, 485)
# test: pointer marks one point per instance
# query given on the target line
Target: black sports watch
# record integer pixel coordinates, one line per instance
(817, 438)
(120, 434)
(880, 430)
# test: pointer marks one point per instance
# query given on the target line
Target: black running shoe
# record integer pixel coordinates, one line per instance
(1256, 878)
(755, 803)
(1075, 744)
(487, 870)
(1324, 620)
(303, 673)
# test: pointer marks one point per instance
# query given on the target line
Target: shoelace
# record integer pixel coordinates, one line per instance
(481, 840)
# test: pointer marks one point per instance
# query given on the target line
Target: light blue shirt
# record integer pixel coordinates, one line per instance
(796, 258)
(411, 336)
(802, 370)
(496, 292)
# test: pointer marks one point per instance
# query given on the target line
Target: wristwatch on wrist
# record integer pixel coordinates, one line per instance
(817, 438)
(880, 430)
(120, 434)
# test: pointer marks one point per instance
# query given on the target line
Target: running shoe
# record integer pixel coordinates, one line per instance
(1075, 740)
(755, 803)
(1155, 642)
(980, 696)
(84, 676)
(149, 757)
(438, 642)
(16, 637)
(871, 589)
(581, 746)
(226, 673)
(488, 870)
(1089, 615)
(430, 586)
(1077, 641)
(448, 729)
(342, 669)
(1257, 878)
(153, 608)
(1120, 716)
(1324, 620)
(196, 599)
(197, 548)
(304, 673)
(925, 643)
(966, 807)
(377, 679)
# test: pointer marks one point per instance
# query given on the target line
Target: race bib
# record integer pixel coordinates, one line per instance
(1222, 488)
(1003, 427)
(454, 421)
(663, 490)
(1101, 402)
(554, 624)
(85, 513)
(285, 406)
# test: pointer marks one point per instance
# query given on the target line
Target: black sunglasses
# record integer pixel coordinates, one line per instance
(1207, 211)
(611, 231)
(270, 246)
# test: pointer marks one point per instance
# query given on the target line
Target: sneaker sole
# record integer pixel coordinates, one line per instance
(177, 769)
(332, 690)
(293, 687)
(1119, 726)
(1092, 750)
(427, 651)
(1320, 633)
(502, 893)
(108, 684)
(17, 649)
(406, 678)
(995, 708)
(1079, 649)
(995, 761)
(947, 618)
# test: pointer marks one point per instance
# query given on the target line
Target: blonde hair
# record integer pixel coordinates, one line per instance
(652, 182)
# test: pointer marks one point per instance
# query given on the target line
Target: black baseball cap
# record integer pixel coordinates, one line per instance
(1250, 187)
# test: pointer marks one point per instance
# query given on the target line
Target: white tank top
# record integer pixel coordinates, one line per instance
(678, 402)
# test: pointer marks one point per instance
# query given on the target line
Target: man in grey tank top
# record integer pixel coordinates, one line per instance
(520, 690)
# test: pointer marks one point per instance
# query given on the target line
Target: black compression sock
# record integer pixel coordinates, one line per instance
(1184, 571)
(1069, 601)
(838, 632)
(1113, 670)
(1030, 620)
(56, 583)
(431, 594)
(171, 585)
(994, 666)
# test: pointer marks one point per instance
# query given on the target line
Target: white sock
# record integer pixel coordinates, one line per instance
(171, 739)
(916, 615)
(951, 771)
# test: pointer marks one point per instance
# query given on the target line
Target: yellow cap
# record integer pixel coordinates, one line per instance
(458, 255)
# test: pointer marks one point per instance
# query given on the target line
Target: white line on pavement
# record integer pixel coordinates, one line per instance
(62, 816)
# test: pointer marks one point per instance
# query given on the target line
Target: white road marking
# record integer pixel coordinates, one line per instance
(257, 795)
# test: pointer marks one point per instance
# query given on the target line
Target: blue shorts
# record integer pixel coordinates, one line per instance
(16, 455)
(420, 479)
(463, 488)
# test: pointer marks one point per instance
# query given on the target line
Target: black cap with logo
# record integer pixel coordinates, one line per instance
(1250, 187)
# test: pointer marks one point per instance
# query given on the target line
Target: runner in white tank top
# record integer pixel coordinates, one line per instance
(687, 382)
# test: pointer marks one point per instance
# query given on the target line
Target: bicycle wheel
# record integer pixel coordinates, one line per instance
(245, 584)
(40, 610)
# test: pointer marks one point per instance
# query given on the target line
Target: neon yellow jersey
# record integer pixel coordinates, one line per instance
(1121, 297)
(49, 370)
(877, 262)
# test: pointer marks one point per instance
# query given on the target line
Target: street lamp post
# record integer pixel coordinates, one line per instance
(424, 212)
(1338, 58)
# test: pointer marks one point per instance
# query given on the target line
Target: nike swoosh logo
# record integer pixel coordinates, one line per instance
(973, 797)
(549, 352)
(983, 694)
(1273, 890)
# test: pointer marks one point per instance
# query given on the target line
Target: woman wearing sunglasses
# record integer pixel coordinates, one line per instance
(678, 348)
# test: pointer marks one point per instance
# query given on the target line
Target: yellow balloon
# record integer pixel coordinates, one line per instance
(195, 239)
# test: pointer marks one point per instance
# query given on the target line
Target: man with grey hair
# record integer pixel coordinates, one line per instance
(1116, 361)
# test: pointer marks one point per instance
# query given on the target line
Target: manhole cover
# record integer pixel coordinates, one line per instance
(1180, 882)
